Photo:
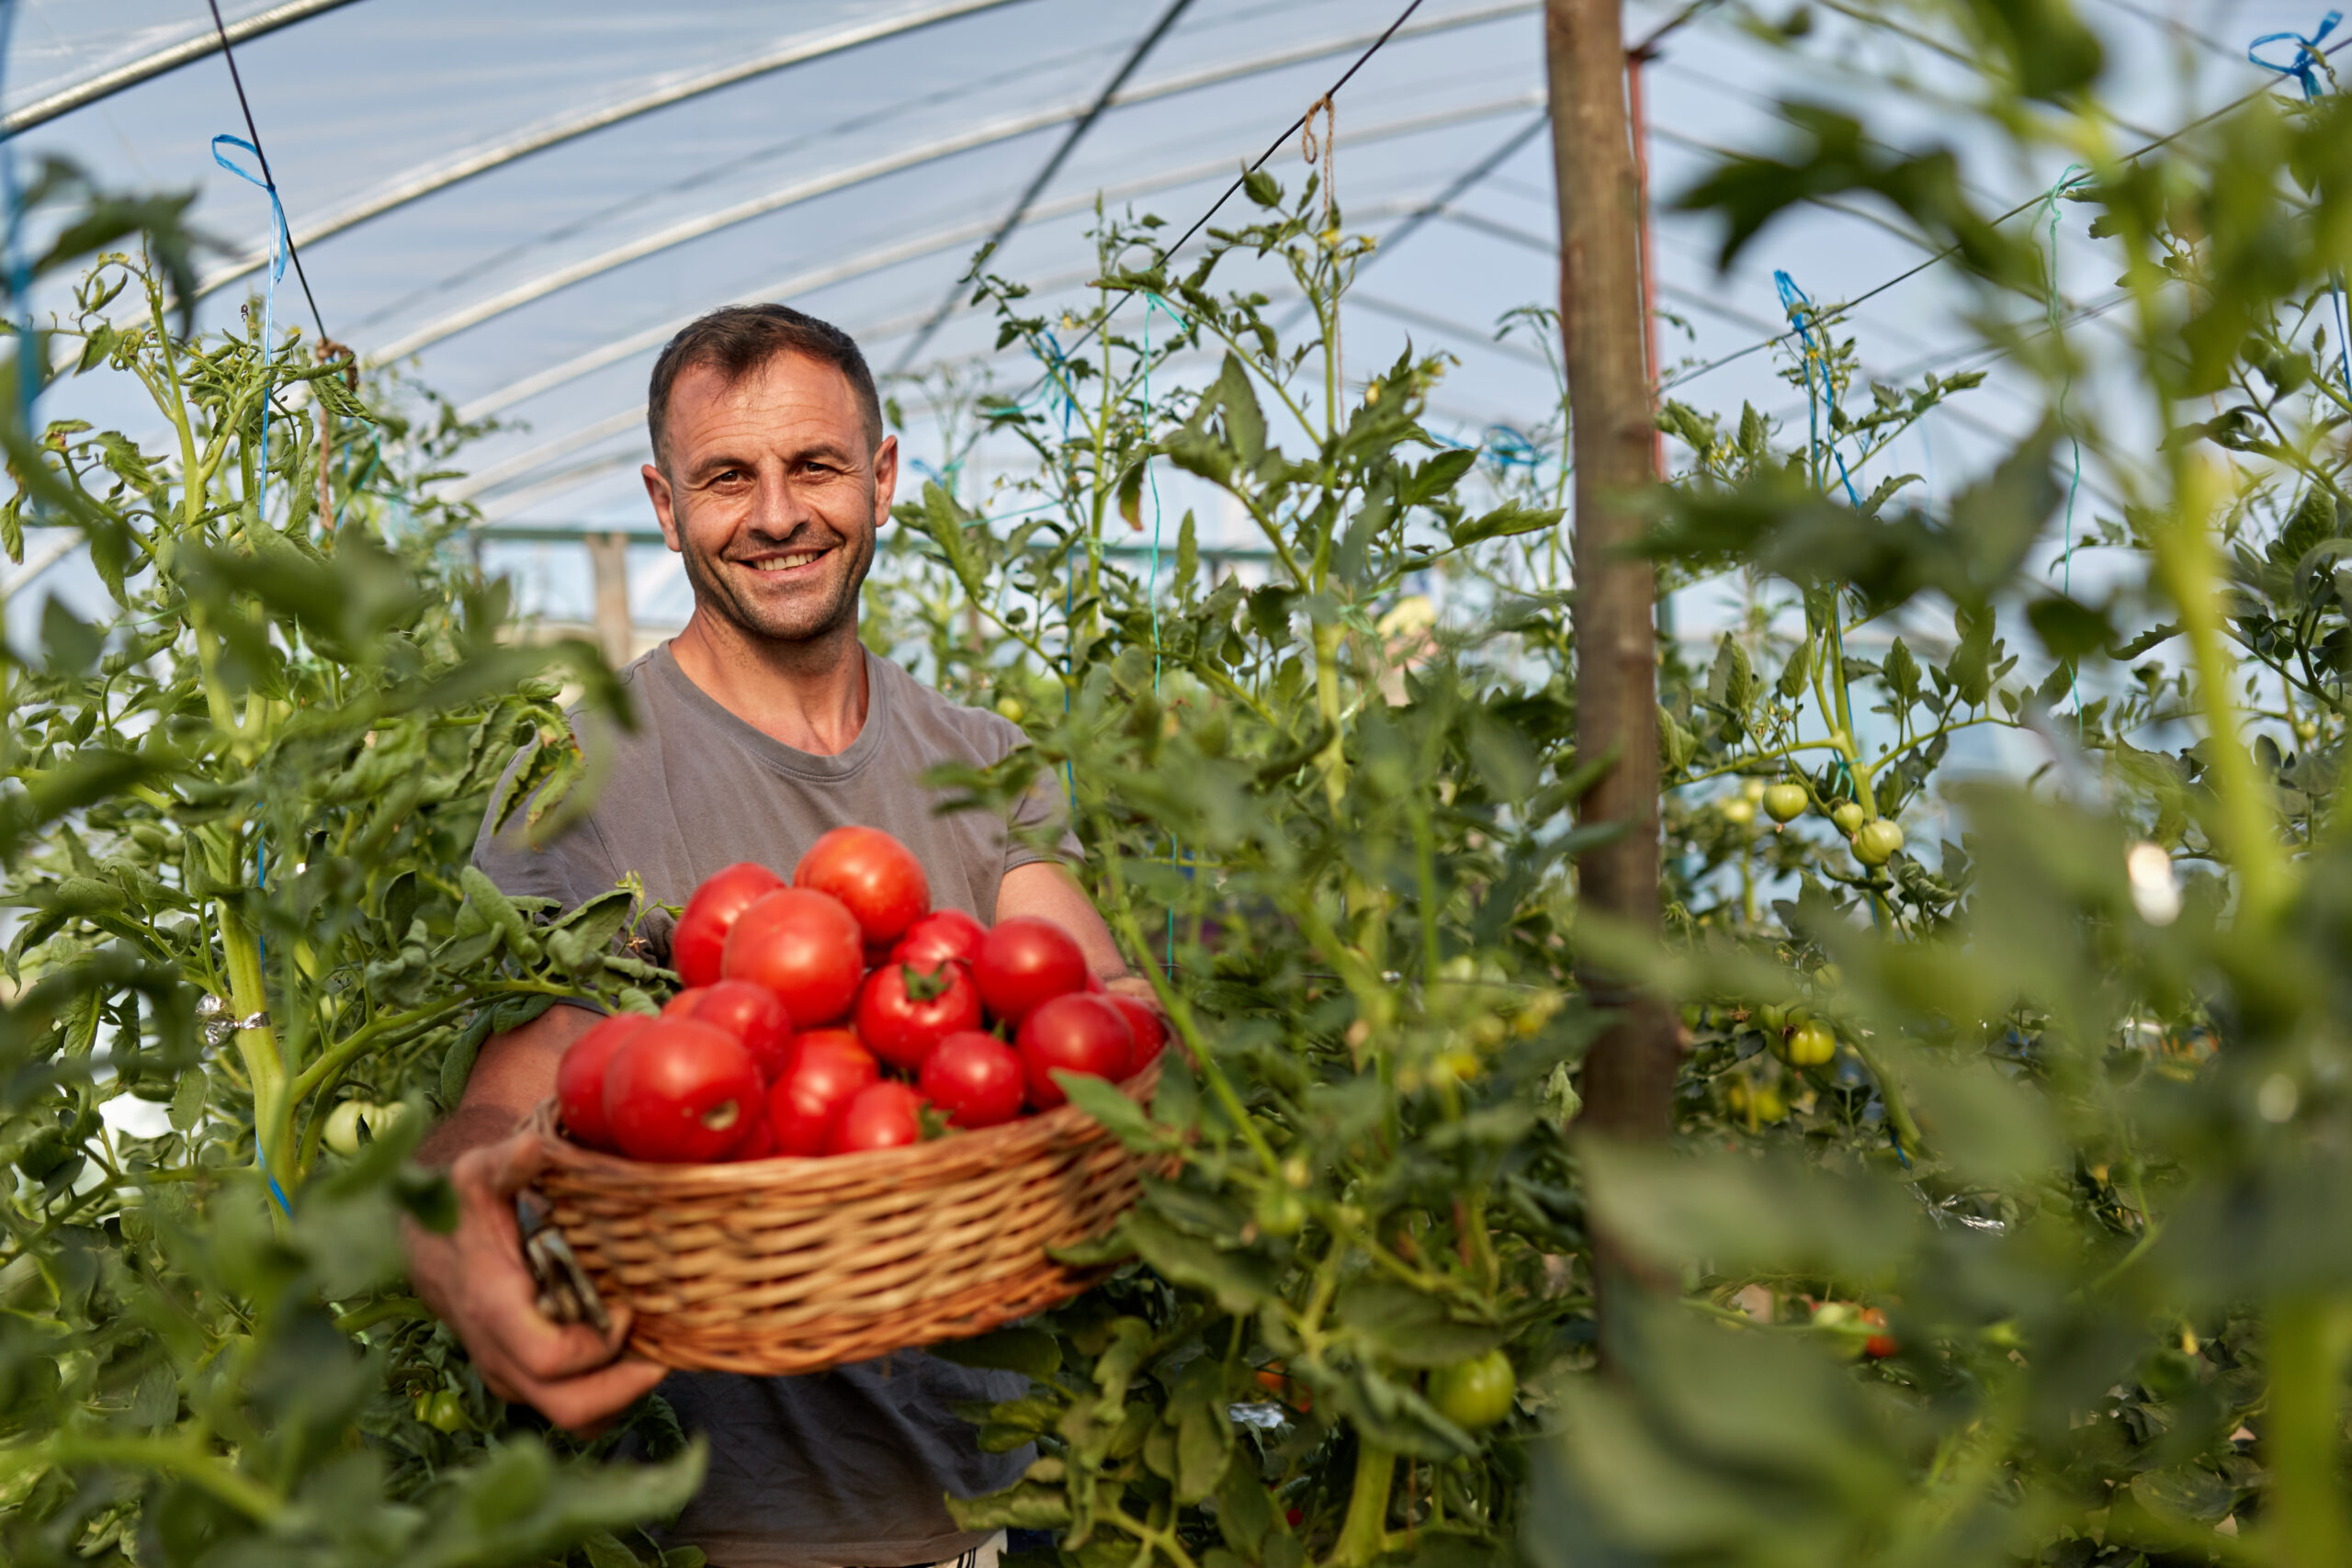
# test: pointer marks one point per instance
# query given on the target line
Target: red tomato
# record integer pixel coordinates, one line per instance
(682, 1004)
(903, 1011)
(580, 1077)
(1150, 1030)
(710, 914)
(802, 946)
(752, 1014)
(974, 1078)
(759, 1139)
(875, 874)
(1879, 1346)
(1072, 1034)
(1026, 961)
(941, 934)
(678, 1091)
(829, 1066)
(886, 1115)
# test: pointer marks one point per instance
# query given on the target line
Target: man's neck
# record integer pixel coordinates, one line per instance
(810, 695)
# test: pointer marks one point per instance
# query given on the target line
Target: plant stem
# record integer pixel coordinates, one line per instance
(1364, 1533)
(2305, 1510)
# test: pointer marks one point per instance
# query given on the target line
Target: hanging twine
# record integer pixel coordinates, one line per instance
(1326, 149)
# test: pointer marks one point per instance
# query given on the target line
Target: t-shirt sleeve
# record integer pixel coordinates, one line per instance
(571, 868)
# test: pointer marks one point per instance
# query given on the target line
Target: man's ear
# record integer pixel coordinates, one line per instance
(657, 491)
(885, 478)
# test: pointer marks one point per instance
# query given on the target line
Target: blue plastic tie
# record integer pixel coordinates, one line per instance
(280, 243)
(2305, 69)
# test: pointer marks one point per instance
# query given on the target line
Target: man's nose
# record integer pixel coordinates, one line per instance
(779, 506)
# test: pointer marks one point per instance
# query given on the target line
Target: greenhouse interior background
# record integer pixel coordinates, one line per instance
(517, 203)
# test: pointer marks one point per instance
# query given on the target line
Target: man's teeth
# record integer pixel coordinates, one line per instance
(786, 563)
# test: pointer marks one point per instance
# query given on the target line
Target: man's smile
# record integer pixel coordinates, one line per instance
(787, 561)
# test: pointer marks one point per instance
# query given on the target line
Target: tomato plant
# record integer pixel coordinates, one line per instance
(240, 800)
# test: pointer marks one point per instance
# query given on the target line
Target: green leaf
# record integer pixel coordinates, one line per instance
(1410, 1328)
(1509, 519)
(1025, 1506)
(1029, 1351)
(1241, 1280)
(188, 1099)
(1104, 1102)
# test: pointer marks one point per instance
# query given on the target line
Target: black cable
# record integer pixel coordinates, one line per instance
(1648, 46)
(1076, 134)
(1832, 312)
(1200, 222)
(252, 130)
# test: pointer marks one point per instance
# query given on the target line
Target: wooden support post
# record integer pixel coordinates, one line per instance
(608, 566)
(1629, 1078)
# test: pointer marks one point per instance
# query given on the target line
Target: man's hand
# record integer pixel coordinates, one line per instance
(475, 1280)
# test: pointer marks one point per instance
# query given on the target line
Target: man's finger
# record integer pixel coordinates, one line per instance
(542, 1349)
(585, 1403)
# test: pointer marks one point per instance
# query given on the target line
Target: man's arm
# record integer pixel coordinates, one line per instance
(474, 1278)
(1048, 890)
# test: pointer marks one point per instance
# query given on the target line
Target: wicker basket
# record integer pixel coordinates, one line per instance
(785, 1265)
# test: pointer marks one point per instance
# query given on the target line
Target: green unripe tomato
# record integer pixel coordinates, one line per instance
(1752, 790)
(1784, 802)
(1877, 842)
(1475, 1393)
(1771, 1018)
(1739, 811)
(1770, 1104)
(1280, 1212)
(1010, 707)
(345, 1121)
(1812, 1045)
(1848, 816)
(443, 1411)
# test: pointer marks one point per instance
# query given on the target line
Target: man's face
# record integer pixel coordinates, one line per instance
(771, 493)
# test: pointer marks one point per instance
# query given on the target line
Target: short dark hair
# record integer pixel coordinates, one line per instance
(738, 339)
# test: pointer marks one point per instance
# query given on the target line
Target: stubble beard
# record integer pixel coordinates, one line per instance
(796, 623)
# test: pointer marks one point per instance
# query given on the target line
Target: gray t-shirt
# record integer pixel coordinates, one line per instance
(846, 1467)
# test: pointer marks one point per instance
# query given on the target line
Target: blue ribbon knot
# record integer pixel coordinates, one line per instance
(2305, 68)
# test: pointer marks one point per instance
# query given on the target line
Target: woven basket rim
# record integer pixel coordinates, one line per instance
(1063, 1123)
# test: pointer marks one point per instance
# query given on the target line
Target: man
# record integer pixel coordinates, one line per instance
(759, 726)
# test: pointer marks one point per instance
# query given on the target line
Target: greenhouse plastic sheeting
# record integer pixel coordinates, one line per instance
(521, 199)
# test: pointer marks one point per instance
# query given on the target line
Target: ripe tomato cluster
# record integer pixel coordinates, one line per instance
(828, 1015)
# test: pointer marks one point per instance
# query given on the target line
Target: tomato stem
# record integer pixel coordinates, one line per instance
(1363, 1534)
